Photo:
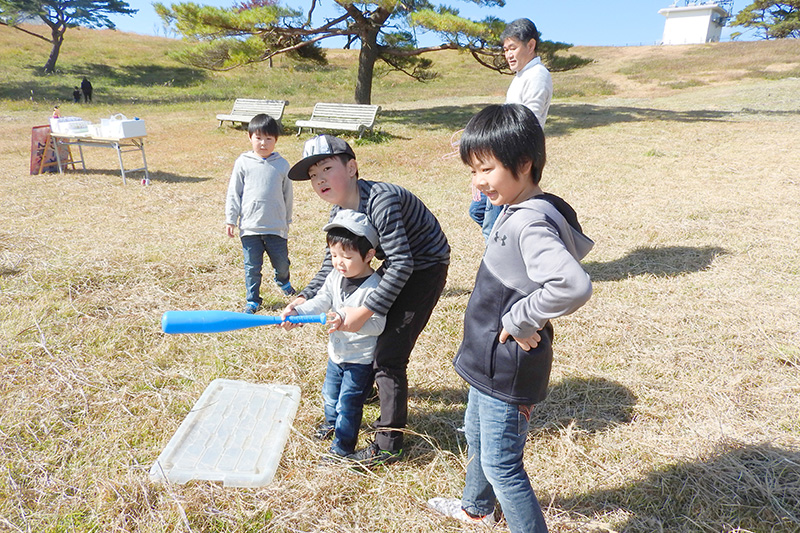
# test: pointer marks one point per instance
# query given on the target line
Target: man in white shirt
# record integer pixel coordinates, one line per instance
(532, 87)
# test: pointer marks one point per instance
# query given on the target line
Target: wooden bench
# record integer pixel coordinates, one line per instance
(244, 109)
(348, 117)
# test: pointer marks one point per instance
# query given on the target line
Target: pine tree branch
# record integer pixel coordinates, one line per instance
(23, 30)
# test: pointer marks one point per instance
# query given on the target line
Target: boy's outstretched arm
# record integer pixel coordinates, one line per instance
(289, 310)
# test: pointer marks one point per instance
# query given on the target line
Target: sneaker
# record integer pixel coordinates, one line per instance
(324, 431)
(288, 290)
(332, 457)
(372, 455)
(451, 507)
(251, 308)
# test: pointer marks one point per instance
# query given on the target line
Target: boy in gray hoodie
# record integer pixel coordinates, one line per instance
(529, 275)
(259, 201)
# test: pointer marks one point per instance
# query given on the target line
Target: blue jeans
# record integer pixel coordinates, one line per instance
(344, 392)
(254, 247)
(477, 210)
(496, 432)
(484, 213)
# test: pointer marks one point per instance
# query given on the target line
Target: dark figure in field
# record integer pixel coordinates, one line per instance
(76, 95)
(86, 87)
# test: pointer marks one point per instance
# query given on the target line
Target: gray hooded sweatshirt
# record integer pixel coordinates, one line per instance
(530, 273)
(260, 195)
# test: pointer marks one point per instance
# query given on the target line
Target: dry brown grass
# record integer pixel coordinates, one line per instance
(674, 400)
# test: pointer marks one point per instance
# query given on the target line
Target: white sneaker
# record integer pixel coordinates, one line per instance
(452, 507)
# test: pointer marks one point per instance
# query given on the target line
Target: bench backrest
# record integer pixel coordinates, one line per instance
(251, 106)
(348, 113)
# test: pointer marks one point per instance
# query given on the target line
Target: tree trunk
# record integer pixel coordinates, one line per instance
(366, 66)
(58, 38)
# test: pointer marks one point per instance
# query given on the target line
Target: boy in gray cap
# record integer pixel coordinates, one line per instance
(352, 241)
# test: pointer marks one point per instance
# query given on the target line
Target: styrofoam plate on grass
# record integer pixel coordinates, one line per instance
(234, 434)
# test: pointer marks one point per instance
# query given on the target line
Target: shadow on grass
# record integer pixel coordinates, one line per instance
(62, 94)
(433, 118)
(133, 176)
(111, 84)
(377, 136)
(566, 118)
(589, 405)
(124, 76)
(662, 262)
(732, 487)
(9, 271)
(563, 119)
(140, 75)
(169, 177)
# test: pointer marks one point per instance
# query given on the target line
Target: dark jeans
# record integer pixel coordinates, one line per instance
(254, 247)
(405, 321)
(344, 392)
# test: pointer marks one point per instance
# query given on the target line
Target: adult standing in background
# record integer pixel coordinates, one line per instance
(532, 87)
(86, 89)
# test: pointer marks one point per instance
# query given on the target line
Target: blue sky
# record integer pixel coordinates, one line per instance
(579, 22)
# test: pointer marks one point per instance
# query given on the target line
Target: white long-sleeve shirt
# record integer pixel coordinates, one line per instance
(343, 346)
(532, 87)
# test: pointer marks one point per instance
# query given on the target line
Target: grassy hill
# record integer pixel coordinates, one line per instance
(674, 395)
(129, 67)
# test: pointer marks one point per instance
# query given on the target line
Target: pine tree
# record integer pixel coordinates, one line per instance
(59, 16)
(386, 31)
(772, 18)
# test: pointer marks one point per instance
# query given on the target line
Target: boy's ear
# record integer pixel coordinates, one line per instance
(524, 168)
(370, 254)
(352, 167)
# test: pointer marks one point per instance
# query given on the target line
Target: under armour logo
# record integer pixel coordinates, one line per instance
(501, 240)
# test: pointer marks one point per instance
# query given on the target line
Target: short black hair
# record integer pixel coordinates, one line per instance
(510, 133)
(522, 30)
(349, 241)
(264, 124)
(344, 158)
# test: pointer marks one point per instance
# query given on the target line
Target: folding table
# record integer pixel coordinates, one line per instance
(122, 145)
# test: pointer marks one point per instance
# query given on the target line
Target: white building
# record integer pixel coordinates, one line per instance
(696, 22)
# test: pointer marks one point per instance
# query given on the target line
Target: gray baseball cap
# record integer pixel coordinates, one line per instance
(315, 150)
(354, 222)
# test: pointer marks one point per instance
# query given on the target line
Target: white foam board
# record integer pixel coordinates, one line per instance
(234, 434)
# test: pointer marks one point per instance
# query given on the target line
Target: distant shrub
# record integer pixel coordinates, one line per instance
(555, 63)
(570, 62)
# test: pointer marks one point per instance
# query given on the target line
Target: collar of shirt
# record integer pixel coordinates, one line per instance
(533, 62)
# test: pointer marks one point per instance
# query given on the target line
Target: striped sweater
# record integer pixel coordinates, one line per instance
(410, 239)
